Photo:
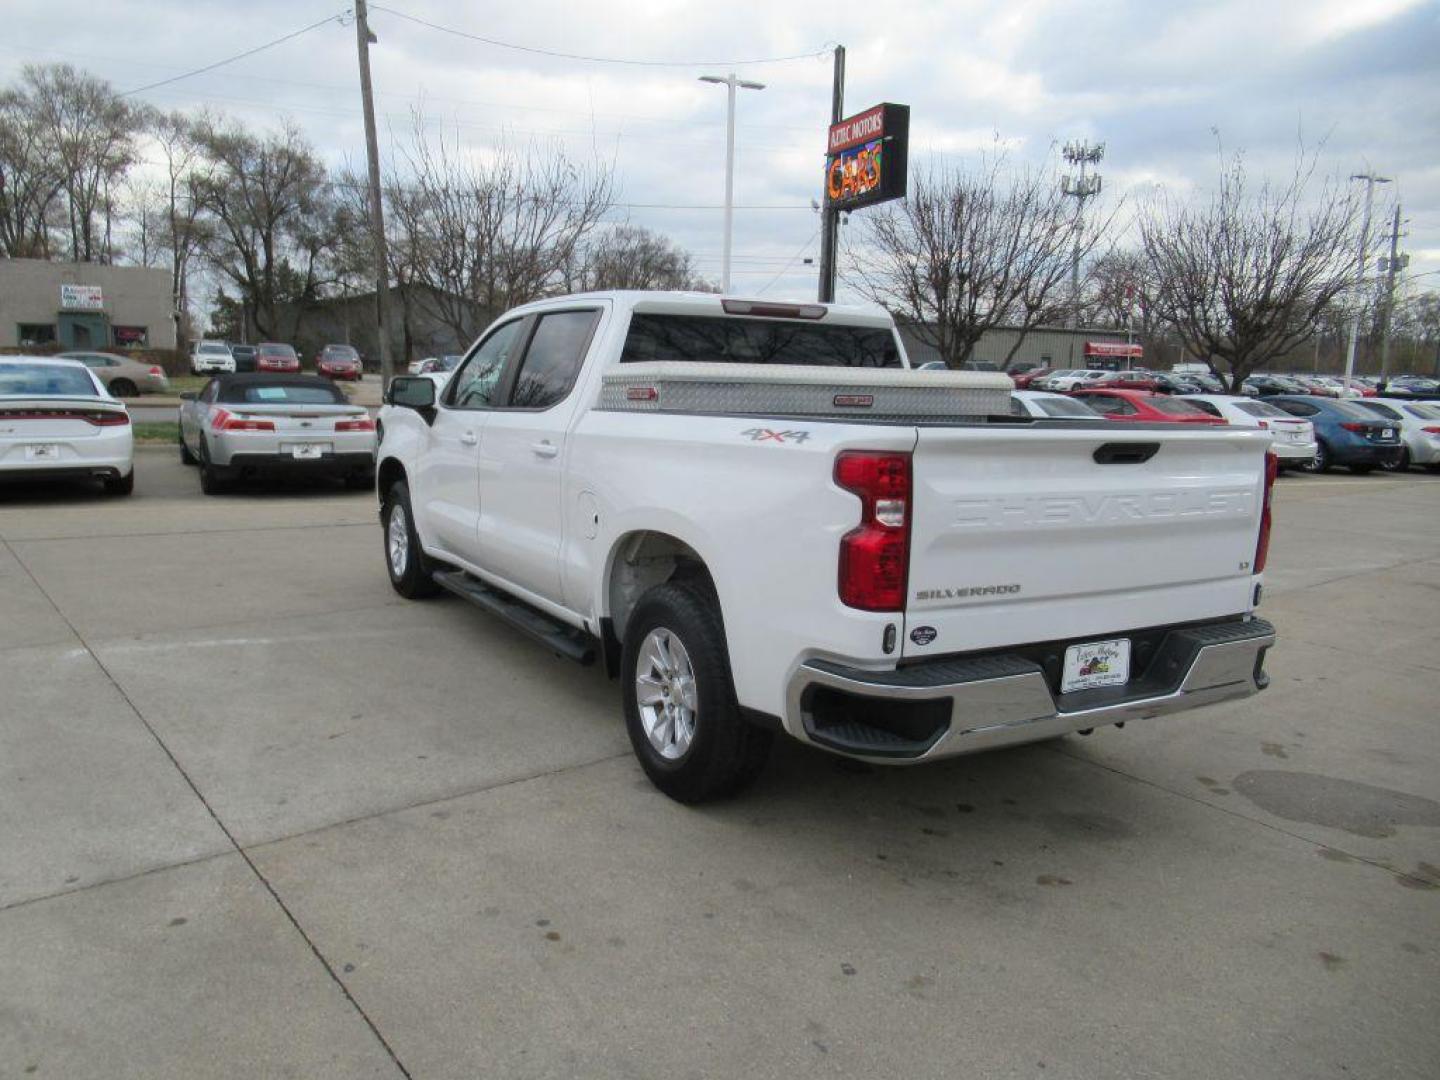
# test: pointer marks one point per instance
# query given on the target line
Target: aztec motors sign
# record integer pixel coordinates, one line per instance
(865, 157)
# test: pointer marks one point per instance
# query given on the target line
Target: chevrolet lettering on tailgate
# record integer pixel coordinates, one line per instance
(1036, 510)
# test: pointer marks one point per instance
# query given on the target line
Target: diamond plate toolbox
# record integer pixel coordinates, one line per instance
(776, 390)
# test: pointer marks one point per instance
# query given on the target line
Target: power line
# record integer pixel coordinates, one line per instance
(238, 56)
(784, 269)
(594, 59)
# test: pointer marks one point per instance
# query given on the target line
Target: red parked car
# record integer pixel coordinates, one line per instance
(1023, 379)
(1134, 380)
(1143, 406)
(339, 362)
(273, 356)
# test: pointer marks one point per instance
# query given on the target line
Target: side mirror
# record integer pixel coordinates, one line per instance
(412, 392)
(189, 395)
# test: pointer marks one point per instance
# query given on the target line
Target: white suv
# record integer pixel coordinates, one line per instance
(209, 357)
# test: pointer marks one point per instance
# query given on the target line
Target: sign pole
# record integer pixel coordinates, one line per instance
(830, 218)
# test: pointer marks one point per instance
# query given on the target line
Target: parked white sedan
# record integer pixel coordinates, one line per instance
(1294, 439)
(1419, 423)
(58, 420)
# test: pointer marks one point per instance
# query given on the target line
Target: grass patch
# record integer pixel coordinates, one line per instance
(181, 383)
(161, 431)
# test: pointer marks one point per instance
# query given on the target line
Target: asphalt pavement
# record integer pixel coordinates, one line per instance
(263, 818)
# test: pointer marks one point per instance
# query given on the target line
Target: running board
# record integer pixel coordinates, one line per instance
(563, 640)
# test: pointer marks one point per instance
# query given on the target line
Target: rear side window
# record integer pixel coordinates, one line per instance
(281, 394)
(553, 359)
(43, 380)
(1110, 406)
(1065, 407)
(715, 339)
(1297, 408)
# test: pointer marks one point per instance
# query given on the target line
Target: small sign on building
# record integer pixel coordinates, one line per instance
(81, 298)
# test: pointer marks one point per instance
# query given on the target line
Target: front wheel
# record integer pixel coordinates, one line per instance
(409, 569)
(680, 710)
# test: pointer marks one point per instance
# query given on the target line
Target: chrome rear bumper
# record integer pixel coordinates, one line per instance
(965, 705)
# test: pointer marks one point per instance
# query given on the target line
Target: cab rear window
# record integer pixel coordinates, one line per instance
(713, 339)
(282, 395)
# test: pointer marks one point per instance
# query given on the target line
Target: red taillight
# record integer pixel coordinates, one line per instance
(1264, 425)
(158, 371)
(221, 420)
(364, 423)
(875, 555)
(1262, 546)
(1353, 426)
(108, 419)
(1431, 430)
(97, 417)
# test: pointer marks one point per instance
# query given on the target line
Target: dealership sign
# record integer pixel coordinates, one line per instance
(82, 298)
(865, 157)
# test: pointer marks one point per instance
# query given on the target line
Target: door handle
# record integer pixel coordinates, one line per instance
(469, 439)
(545, 449)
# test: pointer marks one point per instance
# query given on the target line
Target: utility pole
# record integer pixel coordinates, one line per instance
(363, 40)
(1393, 265)
(829, 218)
(730, 82)
(1370, 181)
(1080, 188)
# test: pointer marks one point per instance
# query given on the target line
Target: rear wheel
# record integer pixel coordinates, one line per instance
(680, 710)
(120, 485)
(123, 388)
(213, 479)
(1400, 464)
(409, 569)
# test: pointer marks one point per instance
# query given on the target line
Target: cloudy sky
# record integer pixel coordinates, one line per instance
(1161, 82)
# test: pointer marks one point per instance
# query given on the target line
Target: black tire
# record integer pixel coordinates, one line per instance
(213, 479)
(1362, 470)
(120, 485)
(1320, 462)
(186, 457)
(725, 752)
(413, 579)
(360, 481)
(123, 388)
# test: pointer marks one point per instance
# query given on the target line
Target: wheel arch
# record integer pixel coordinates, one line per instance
(639, 560)
(389, 472)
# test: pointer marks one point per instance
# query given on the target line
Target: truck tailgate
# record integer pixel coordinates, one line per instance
(1056, 531)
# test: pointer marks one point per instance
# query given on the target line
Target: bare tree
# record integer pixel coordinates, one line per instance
(272, 219)
(633, 257)
(93, 134)
(1244, 278)
(185, 181)
(493, 232)
(31, 178)
(973, 249)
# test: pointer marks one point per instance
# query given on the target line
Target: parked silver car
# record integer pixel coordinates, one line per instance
(249, 425)
(121, 375)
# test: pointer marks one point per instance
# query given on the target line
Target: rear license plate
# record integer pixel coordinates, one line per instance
(307, 450)
(42, 451)
(1297, 436)
(1100, 663)
(1388, 433)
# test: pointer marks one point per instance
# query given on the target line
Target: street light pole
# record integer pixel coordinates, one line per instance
(730, 82)
(1370, 181)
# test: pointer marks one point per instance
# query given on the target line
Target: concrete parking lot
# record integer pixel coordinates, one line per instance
(261, 818)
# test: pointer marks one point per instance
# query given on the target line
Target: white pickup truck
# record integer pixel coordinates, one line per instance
(761, 521)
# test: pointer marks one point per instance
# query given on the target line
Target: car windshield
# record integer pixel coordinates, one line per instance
(717, 339)
(221, 350)
(340, 352)
(280, 394)
(1259, 408)
(1380, 409)
(1065, 407)
(1350, 409)
(1174, 407)
(45, 380)
(1424, 411)
(277, 350)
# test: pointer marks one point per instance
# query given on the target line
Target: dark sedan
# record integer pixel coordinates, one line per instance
(1345, 433)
